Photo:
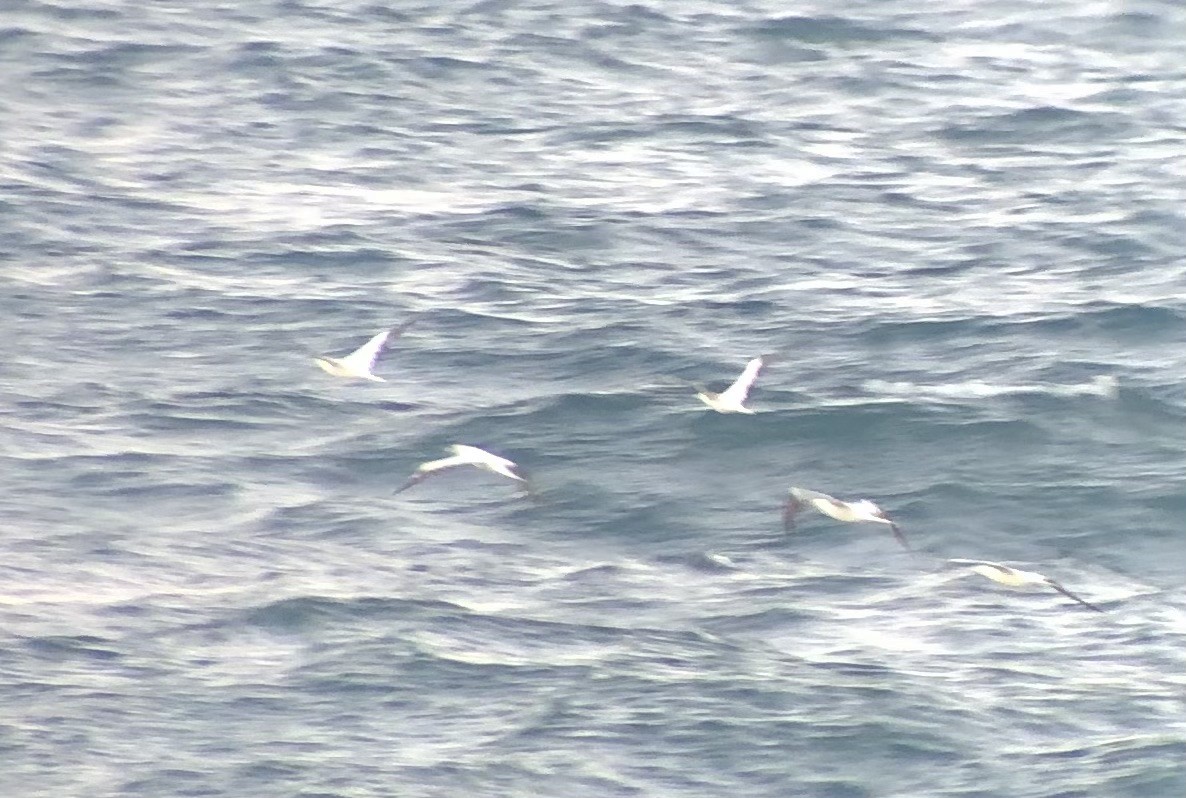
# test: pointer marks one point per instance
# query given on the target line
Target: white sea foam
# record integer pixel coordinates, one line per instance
(1103, 386)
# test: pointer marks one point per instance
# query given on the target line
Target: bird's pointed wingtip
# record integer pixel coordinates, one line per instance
(1058, 586)
(412, 480)
(399, 329)
(899, 536)
(789, 509)
(1089, 605)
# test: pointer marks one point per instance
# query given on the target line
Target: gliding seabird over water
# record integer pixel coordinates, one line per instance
(863, 510)
(732, 399)
(466, 455)
(1015, 577)
(358, 364)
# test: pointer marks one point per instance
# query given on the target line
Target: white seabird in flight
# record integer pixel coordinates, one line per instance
(863, 510)
(466, 455)
(732, 399)
(1015, 577)
(358, 364)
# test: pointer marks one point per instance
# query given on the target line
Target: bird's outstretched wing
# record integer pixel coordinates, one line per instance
(997, 565)
(739, 390)
(363, 358)
(412, 480)
(398, 329)
(1071, 595)
(806, 495)
(789, 511)
(898, 536)
(425, 470)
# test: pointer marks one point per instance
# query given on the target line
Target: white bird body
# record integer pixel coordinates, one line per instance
(466, 455)
(1015, 577)
(853, 512)
(732, 399)
(359, 363)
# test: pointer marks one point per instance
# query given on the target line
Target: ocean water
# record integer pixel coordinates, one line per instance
(958, 227)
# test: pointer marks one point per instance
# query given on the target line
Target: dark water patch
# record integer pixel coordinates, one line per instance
(1118, 753)
(1149, 404)
(543, 638)
(390, 406)
(861, 671)
(222, 413)
(1044, 124)
(10, 36)
(826, 30)
(142, 487)
(83, 398)
(64, 648)
(174, 781)
(1143, 27)
(340, 250)
(700, 561)
(350, 681)
(762, 621)
(632, 18)
(257, 704)
(75, 13)
(840, 787)
(550, 233)
(606, 56)
(602, 575)
(946, 492)
(242, 404)
(132, 53)
(1120, 253)
(436, 67)
(270, 771)
(340, 521)
(82, 77)
(724, 132)
(1134, 323)
(464, 673)
(856, 427)
(888, 334)
(515, 777)
(1141, 320)
(590, 407)
(122, 463)
(617, 518)
(622, 607)
(309, 613)
(719, 130)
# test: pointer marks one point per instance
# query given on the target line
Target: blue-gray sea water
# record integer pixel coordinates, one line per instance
(959, 228)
